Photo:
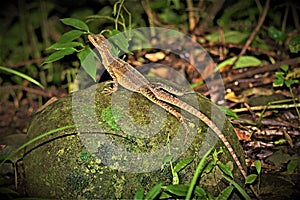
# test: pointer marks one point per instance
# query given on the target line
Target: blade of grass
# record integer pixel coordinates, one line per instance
(21, 75)
(35, 139)
(196, 175)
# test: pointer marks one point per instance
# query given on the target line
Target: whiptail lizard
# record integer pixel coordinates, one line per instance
(128, 77)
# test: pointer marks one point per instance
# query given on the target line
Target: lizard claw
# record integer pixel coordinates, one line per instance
(108, 89)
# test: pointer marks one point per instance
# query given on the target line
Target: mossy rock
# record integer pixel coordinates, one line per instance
(112, 152)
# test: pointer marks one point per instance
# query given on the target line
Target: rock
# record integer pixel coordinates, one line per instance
(119, 145)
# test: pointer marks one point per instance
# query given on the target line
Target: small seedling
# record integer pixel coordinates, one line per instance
(287, 78)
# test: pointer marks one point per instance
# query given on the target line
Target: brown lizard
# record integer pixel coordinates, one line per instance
(128, 77)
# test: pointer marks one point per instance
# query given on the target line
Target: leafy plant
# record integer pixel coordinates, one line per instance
(284, 78)
(254, 177)
(294, 44)
(277, 35)
(287, 78)
(68, 45)
(191, 189)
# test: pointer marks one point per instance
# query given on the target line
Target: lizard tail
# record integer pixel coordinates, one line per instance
(181, 104)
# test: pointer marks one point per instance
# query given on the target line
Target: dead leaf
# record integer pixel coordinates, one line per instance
(154, 57)
(288, 139)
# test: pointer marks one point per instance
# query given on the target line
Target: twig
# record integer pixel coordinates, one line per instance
(192, 21)
(26, 62)
(257, 70)
(152, 20)
(259, 24)
(295, 17)
(262, 69)
(285, 17)
(210, 15)
(239, 46)
(27, 89)
(284, 106)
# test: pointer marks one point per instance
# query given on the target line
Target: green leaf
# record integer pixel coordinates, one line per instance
(20, 74)
(294, 44)
(7, 190)
(280, 79)
(280, 75)
(208, 168)
(238, 187)
(284, 67)
(228, 112)
(165, 195)
(179, 190)
(257, 165)
(197, 84)
(216, 155)
(182, 164)
(76, 23)
(62, 46)
(225, 193)
(200, 192)
(278, 82)
(88, 62)
(176, 4)
(288, 82)
(251, 178)
(70, 36)
(120, 41)
(139, 194)
(170, 15)
(167, 158)
(244, 61)
(276, 34)
(226, 169)
(58, 55)
(292, 165)
(153, 192)
(115, 32)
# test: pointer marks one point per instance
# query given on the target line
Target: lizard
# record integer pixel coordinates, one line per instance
(128, 77)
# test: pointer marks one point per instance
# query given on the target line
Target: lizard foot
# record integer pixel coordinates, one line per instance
(109, 89)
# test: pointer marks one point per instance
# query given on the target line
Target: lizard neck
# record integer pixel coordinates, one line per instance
(107, 57)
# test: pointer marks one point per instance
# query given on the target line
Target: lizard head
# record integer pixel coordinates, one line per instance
(104, 48)
(99, 41)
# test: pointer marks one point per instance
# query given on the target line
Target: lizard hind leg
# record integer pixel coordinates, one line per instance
(110, 89)
(169, 109)
(171, 89)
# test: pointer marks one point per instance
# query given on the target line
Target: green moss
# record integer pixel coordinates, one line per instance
(84, 155)
(109, 118)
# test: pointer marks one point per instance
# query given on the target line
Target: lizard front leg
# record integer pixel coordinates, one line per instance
(114, 82)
